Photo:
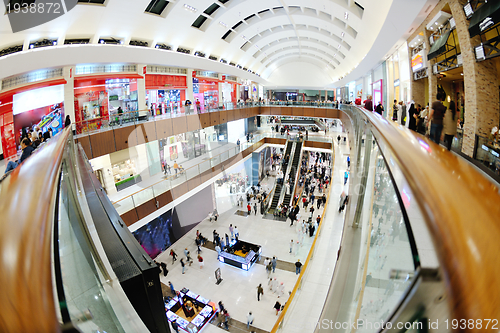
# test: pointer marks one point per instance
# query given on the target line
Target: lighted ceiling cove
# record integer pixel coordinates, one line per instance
(261, 36)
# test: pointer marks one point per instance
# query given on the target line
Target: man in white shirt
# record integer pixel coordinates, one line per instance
(249, 319)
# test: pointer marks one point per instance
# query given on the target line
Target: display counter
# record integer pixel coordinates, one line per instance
(191, 311)
(240, 254)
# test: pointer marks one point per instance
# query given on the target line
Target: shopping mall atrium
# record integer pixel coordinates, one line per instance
(294, 166)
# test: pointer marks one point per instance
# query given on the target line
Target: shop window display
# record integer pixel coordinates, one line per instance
(97, 102)
(165, 101)
(44, 118)
(125, 174)
(207, 92)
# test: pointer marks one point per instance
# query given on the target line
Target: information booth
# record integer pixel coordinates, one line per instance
(240, 254)
(191, 311)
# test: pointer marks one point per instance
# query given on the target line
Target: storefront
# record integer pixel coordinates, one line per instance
(245, 90)
(207, 92)
(124, 168)
(98, 99)
(165, 93)
(38, 106)
(9, 145)
(228, 90)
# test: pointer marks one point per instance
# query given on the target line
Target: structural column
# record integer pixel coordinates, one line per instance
(432, 78)
(141, 88)
(480, 81)
(69, 92)
(189, 82)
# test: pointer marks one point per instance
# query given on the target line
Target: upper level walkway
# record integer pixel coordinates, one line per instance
(402, 205)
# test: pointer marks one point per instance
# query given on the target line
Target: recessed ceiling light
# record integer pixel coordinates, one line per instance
(339, 46)
(223, 24)
(342, 34)
(191, 8)
(346, 15)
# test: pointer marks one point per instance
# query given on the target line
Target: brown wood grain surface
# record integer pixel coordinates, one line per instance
(461, 209)
(27, 205)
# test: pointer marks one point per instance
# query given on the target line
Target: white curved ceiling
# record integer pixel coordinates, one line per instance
(260, 35)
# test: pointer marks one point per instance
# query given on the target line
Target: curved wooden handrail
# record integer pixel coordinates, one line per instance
(27, 200)
(461, 209)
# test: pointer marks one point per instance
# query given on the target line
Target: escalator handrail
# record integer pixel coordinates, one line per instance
(27, 205)
(461, 209)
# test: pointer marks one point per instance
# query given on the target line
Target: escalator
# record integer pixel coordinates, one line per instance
(293, 173)
(279, 184)
(288, 150)
(403, 200)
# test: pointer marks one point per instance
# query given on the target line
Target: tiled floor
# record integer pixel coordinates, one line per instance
(238, 289)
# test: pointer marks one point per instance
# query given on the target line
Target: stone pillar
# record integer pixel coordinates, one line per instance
(189, 81)
(390, 88)
(69, 92)
(221, 97)
(432, 78)
(481, 84)
(417, 88)
(141, 88)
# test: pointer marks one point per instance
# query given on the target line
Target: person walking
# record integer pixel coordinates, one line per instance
(176, 167)
(260, 291)
(226, 320)
(277, 307)
(346, 176)
(231, 230)
(266, 261)
(164, 268)
(402, 109)
(436, 115)
(183, 266)
(380, 108)
(269, 268)
(413, 116)
(249, 319)
(173, 255)
(395, 109)
(221, 307)
(175, 327)
(450, 125)
(249, 208)
(369, 103)
(348, 162)
(172, 290)
(298, 267)
(274, 261)
(236, 233)
(188, 256)
(291, 246)
(255, 208)
(200, 261)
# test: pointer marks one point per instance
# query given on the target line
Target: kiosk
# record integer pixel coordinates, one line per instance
(240, 254)
(191, 311)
